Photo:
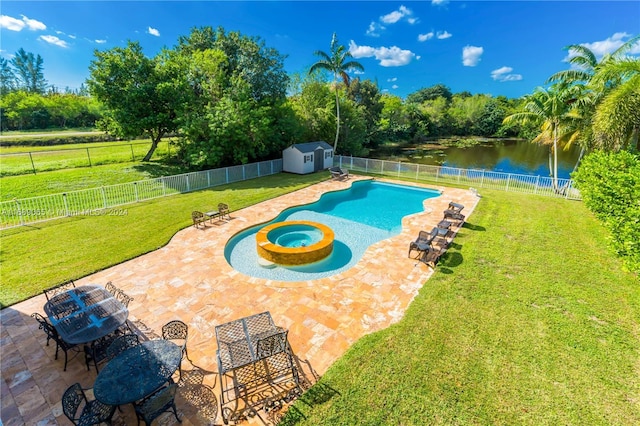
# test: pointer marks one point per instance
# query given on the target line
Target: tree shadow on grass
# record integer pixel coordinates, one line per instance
(473, 227)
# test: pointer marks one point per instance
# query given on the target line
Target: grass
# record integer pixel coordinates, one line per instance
(16, 160)
(528, 320)
(37, 257)
(74, 179)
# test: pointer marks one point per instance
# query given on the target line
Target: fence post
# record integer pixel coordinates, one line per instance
(271, 163)
(459, 174)
(66, 204)
(20, 212)
(482, 179)
(164, 188)
(226, 172)
(417, 171)
(535, 189)
(188, 184)
(89, 157)
(366, 166)
(133, 157)
(243, 173)
(135, 190)
(32, 165)
(437, 173)
(399, 168)
(506, 188)
(104, 197)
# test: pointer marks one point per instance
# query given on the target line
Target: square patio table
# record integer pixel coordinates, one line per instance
(84, 314)
(252, 352)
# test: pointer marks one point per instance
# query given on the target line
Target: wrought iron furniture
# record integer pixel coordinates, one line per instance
(223, 210)
(121, 344)
(60, 288)
(52, 333)
(254, 360)
(84, 314)
(96, 351)
(422, 243)
(161, 401)
(137, 372)
(178, 332)
(81, 411)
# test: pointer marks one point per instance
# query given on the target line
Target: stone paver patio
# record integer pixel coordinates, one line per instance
(189, 279)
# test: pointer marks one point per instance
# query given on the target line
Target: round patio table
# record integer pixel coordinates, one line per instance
(137, 372)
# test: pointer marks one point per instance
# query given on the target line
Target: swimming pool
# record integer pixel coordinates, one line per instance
(360, 216)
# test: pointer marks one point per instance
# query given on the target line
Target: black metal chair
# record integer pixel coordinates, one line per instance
(121, 344)
(60, 288)
(52, 334)
(157, 403)
(422, 243)
(96, 352)
(111, 288)
(177, 330)
(81, 411)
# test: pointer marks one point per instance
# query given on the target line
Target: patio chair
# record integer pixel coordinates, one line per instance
(199, 218)
(52, 334)
(121, 344)
(422, 243)
(455, 215)
(338, 173)
(81, 411)
(223, 210)
(457, 208)
(161, 401)
(96, 351)
(178, 332)
(111, 288)
(60, 288)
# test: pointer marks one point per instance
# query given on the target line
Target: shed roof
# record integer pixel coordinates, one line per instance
(311, 146)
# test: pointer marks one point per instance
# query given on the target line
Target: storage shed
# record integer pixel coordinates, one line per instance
(309, 157)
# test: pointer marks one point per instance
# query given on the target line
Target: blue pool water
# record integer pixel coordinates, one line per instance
(360, 216)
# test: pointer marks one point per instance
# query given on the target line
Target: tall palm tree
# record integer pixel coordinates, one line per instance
(552, 109)
(337, 62)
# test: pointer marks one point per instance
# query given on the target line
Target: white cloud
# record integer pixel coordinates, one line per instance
(412, 20)
(356, 72)
(374, 29)
(390, 80)
(444, 35)
(425, 37)
(72, 37)
(608, 45)
(395, 16)
(504, 74)
(395, 86)
(53, 40)
(101, 41)
(471, 55)
(418, 57)
(14, 24)
(153, 32)
(439, 2)
(388, 56)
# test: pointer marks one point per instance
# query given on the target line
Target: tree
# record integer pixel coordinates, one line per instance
(430, 93)
(29, 71)
(552, 111)
(336, 62)
(366, 94)
(141, 94)
(7, 77)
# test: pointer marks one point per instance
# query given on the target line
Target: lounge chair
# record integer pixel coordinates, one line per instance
(422, 244)
(338, 173)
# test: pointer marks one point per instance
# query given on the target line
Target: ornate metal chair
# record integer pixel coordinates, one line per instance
(111, 288)
(60, 288)
(223, 210)
(157, 403)
(177, 330)
(52, 333)
(122, 343)
(199, 218)
(96, 352)
(81, 411)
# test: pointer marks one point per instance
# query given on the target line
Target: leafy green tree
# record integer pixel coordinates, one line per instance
(430, 93)
(337, 62)
(366, 94)
(490, 119)
(29, 71)
(141, 94)
(394, 120)
(551, 110)
(7, 77)
(314, 106)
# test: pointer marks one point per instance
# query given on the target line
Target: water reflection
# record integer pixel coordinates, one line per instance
(508, 156)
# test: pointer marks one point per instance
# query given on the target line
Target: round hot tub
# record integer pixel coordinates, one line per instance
(295, 242)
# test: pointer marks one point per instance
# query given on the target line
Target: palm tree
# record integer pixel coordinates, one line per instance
(552, 109)
(337, 62)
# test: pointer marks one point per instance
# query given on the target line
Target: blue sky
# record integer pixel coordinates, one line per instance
(496, 47)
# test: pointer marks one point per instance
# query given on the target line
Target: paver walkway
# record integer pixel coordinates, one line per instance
(189, 279)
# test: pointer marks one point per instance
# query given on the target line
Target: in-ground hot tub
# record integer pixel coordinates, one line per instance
(296, 242)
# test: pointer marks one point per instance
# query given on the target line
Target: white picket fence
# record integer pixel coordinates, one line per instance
(474, 178)
(98, 201)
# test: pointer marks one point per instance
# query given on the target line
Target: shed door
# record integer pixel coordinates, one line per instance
(318, 159)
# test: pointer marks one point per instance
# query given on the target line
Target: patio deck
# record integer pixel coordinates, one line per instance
(189, 279)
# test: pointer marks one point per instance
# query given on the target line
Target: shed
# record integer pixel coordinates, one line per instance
(309, 157)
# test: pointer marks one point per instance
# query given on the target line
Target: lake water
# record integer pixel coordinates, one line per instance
(507, 156)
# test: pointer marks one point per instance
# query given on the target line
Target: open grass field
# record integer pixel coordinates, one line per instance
(529, 320)
(20, 160)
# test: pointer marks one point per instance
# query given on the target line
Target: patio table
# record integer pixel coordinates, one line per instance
(137, 372)
(253, 352)
(84, 314)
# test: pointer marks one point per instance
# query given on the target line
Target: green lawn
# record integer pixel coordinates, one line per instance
(529, 320)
